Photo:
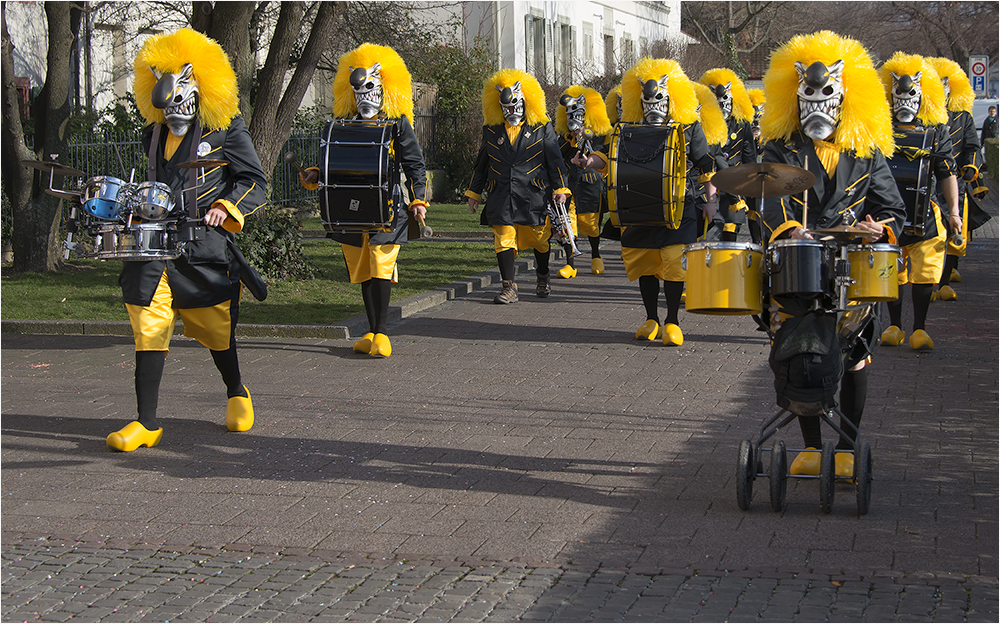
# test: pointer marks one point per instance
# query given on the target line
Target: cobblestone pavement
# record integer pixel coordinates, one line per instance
(526, 462)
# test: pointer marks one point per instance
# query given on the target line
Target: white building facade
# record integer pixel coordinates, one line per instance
(562, 42)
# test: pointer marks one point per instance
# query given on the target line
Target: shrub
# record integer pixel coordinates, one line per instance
(270, 243)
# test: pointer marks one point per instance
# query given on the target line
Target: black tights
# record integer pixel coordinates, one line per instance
(921, 297)
(853, 394)
(595, 246)
(376, 294)
(505, 260)
(542, 262)
(950, 263)
(649, 288)
(569, 254)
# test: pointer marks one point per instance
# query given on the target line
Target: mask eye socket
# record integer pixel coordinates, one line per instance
(828, 91)
(810, 91)
(659, 96)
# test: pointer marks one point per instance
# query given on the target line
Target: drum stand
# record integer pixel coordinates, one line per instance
(750, 462)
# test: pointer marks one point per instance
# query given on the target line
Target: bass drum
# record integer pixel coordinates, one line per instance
(724, 278)
(647, 175)
(803, 268)
(355, 180)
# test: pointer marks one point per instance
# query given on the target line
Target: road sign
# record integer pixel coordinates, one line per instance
(979, 67)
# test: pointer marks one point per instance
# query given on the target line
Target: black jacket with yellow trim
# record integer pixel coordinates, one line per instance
(206, 271)
(700, 161)
(587, 184)
(408, 158)
(942, 166)
(520, 178)
(859, 187)
(740, 149)
(965, 149)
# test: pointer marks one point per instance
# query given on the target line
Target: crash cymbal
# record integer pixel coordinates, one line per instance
(52, 166)
(763, 180)
(64, 194)
(202, 163)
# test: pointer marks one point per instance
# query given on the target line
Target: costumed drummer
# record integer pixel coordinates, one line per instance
(656, 92)
(713, 124)
(582, 124)
(373, 84)
(740, 147)
(968, 158)
(519, 168)
(186, 90)
(613, 106)
(841, 136)
(920, 123)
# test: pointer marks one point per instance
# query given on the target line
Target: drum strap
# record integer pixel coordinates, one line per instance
(152, 158)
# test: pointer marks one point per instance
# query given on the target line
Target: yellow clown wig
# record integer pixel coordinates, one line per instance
(611, 103)
(713, 122)
(534, 97)
(962, 96)
(865, 123)
(683, 106)
(742, 106)
(397, 92)
(933, 109)
(756, 97)
(218, 96)
(595, 115)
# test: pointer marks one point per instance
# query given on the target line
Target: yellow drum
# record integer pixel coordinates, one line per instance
(874, 269)
(724, 278)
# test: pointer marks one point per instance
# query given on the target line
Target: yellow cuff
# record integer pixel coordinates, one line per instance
(417, 202)
(311, 187)
(607, 163)
(729, 227)
(476, 196)
(738, 206)
(967, 169)
(890, 236)
(234, 223)
(562, 191)
(784, 227)
(705, 177)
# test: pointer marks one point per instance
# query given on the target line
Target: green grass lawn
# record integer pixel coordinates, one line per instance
(88, 289)
(440, 218)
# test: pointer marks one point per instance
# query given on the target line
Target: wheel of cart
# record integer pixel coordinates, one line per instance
(750, 465)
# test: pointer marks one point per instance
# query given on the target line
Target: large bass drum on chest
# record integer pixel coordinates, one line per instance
(357, 177)
(647, 175)
(911, 168)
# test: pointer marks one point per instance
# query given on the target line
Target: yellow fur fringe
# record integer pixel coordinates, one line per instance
(742, 106)
(712, 120)
(865, 123)
(397, 90)
(933, 110)
(534, 97)
(683, 101)
(962, 96)
(595, 116)
(218, 96)
(611, 103)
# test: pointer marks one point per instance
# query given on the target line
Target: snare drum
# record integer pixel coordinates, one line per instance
(724, 278)
(801, 267)
(103, 197)
(155, 201)
(647, 175)
(139, 241)
(356, 177)
(874, 269)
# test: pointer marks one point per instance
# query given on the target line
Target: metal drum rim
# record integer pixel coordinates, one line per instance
(723, 246)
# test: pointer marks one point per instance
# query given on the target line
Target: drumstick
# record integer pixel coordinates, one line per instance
(805, 200)
(290, 158)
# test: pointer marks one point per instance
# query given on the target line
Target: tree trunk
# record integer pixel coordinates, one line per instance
(230, 26)
(274, 112)
(36, 214)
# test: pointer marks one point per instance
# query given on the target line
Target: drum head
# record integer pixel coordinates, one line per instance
(357, 176)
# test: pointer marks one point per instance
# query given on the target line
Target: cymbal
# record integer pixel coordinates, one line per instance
(64, 194)
(200, 163)
(841, 232)
(53, 166)
(763, 180)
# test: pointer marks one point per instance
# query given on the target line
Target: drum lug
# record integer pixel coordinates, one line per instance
(684, 262)
(871, 259)
(708, 257)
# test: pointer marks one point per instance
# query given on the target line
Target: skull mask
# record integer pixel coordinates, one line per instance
(367, 85)
(655, 100)
(947, 89)
(757, 112)
(576, 108)
(512, 103)
(177, 95)
(906, 94)
(724, 95)
(820, 93)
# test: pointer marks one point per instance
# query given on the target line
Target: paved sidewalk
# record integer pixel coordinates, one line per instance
(529, 462)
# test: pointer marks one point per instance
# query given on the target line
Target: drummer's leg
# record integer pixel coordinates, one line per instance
(384, 273)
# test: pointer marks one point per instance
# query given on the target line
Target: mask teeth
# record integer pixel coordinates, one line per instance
(184, 109)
